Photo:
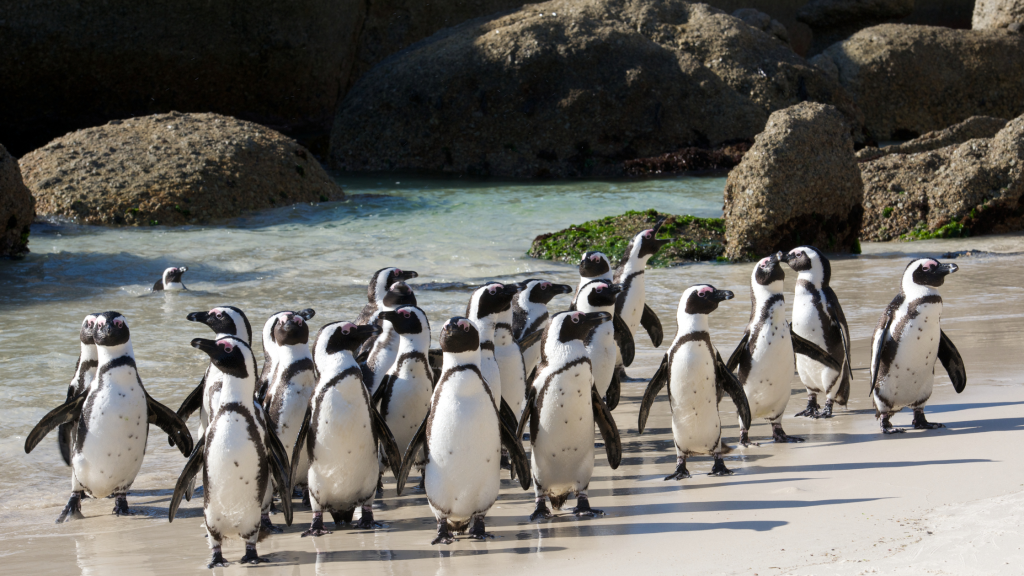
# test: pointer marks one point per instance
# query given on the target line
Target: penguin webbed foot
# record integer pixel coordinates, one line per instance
(681, 472)
(812, 410)
(73, 509)
(121, 506)
(922, 423)
(541, 511)
(888, 428)
(478, 532)
(341, 518)
(251, 557)
(444, 534)
(583, 508)
(719, 468)
(779, 435)
(217, 560)
(366, 522)
(268, 526)
(826, 412)
(745, 439)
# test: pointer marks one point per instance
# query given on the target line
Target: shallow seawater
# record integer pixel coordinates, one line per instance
(455, 234)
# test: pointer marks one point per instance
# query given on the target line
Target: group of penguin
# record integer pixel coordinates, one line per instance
(325, 421)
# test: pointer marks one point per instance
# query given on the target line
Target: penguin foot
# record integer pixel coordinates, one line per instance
(745, 439)
(921, 423)
(73, 510)
(719, 469)
(250, 556)
(341, 518)
(826, 412)
(121, 506)
(444, 535)
(681, 472)
(888, 428)
(268, 526)
(623, 377)
(477, 532)
(316, 528)
(541, 511)
(366, 521)
(811, 411)
(217, 560)
(780, 436)
(583, 508)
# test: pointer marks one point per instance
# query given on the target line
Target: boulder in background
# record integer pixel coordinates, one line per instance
(17, 208)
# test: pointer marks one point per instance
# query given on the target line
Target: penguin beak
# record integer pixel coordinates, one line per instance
(307, 314)
(615, 288)
(510, 289)
(784, 256)
(198, 317)
(367, 331)
(208, 346)
(408, 275)
(946, 269)
(388, 315)
(183, 269)
(720, 295)
(595, 319)
(561, 288)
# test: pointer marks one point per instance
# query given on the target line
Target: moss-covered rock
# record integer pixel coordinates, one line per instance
(697, 239)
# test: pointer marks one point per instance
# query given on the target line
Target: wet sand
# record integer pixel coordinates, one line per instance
(848, 501)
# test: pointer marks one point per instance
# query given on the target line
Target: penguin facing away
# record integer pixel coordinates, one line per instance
(562, 409)
(697, 378)
(609, 340)
(341, 432)
(171, 280)
(380, 283)
(819, 318)
(113, 415)
(462, 440)
(85, 371)
(632, 301)
(237, 461)
(379, 354)
(906, 343)
(530, 316)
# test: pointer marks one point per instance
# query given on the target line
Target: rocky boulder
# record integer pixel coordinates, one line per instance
(997, 14)
(971, 188)
(17, 208)
(973, 127)
(572, 88)
(763, 22)
(172, 169)
(798, 184)
(69, 65)
(909, 80)
(834, 20)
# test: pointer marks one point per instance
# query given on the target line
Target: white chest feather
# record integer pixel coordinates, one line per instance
(767, 385)
(907, 377)
(696, 425)
(409, 401)
(563, 447)
(233, 473)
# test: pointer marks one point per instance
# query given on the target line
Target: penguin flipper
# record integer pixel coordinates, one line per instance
(192, 402)
(611, 396)
(531, 397)
(387, 441)
(839, 319)
(734, 389)
(609, 432)
(734, 358)
(650, 321)
(624, 339)
(64, 441)
(159, 285)
(63, 414)
(384, 389)
(529, 340)
(169, 422)
(184, 484)
(261, 390)
(418, 439)
(516, 454)
(807, 348)
(658, 381)
(879, 341)
(507, 417)
(435, 358)
(281, 471)
(300, 443)
(954, 364)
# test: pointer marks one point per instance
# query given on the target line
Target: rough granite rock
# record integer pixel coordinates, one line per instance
(17, 208)
(997, 13)
(572, 88)
(832, 21)
(763, 22)
(973, 127)
(971, 188)
(799, 184)
(172, 169)
(909, 80)
(70, 65)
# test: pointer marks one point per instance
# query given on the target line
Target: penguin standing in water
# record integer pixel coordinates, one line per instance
(380, 283)
(341, 432)
(562, 409)
(765, 353)
(171, 280)
(906, 344)
(379, 354)
(818, 317)
(462, 440)
(85, 370)
(632, 301)
(236, 460)
(485, 308)
(609, 339)
(113, 416)
(530, 316)
(697, 378)
(593, 266)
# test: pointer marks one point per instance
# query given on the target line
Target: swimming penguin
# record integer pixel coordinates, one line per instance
(236, 460)
(609, 339)
(530, 316)
(562, 409)
(113, 415)
(485, 308)
(593, 266)
(404, 394)
(85, 370)
(171, 280)
(270, 347)
(462, 440)
(632, 301)
(341, 432)
(906, 344)
(818, 317)
(697, 378)
(765, 353)
(377, 355)
(380, 283)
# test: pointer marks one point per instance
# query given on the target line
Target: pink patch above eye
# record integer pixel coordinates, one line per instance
(298, 320)
(406, 313)
(595, 258)
(545, 285)
(704, 290)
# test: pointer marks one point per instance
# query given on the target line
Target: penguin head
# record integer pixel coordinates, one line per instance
(599, 293)
(459, 335)
(225, 320)
(541, 291)
(399, 294)
(229, 354)
(594, 264)
(382, 280)
(810, 260)
(407, 320)
(86, 334)
(569, 326)
(490, 299)
(703, 299)
(644, 245)
(769, 271)
(173, 275)
(928, 272)
(343, 336)
(111, 329)
(289, 328)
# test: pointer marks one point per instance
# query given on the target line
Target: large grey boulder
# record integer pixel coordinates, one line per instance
(570, 88)
(799, 184)
(997, 14)
(834, 20)
(17, 208)
(973, 127)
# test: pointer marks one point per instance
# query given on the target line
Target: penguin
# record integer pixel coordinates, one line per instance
(404, 395)
(85, 370)
(593, 266)
(236, 459)
(818, 317)
(631, 303)
(341, 432)
(509, 356)
(530, 316)
(171, 280)
(113, 416)
(485, 308)
(764, 354)
(697, 378)
(906, 343)
(462, 439)
(379, 354)
(609, 339)
(562, 409)
(380, 283)
(270, 347)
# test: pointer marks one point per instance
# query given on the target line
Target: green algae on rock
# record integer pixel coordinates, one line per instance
(697, 239)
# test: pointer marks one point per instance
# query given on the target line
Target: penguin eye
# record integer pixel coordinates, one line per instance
(647, 235)
(406, 313)
(298, 320)
(228, 347)
(599, 288)
(575, 318)
(545, 285)
(926, 267)
(492, 290)
(345, 330)
(465, 326)
(398, 271)
(118, 322)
